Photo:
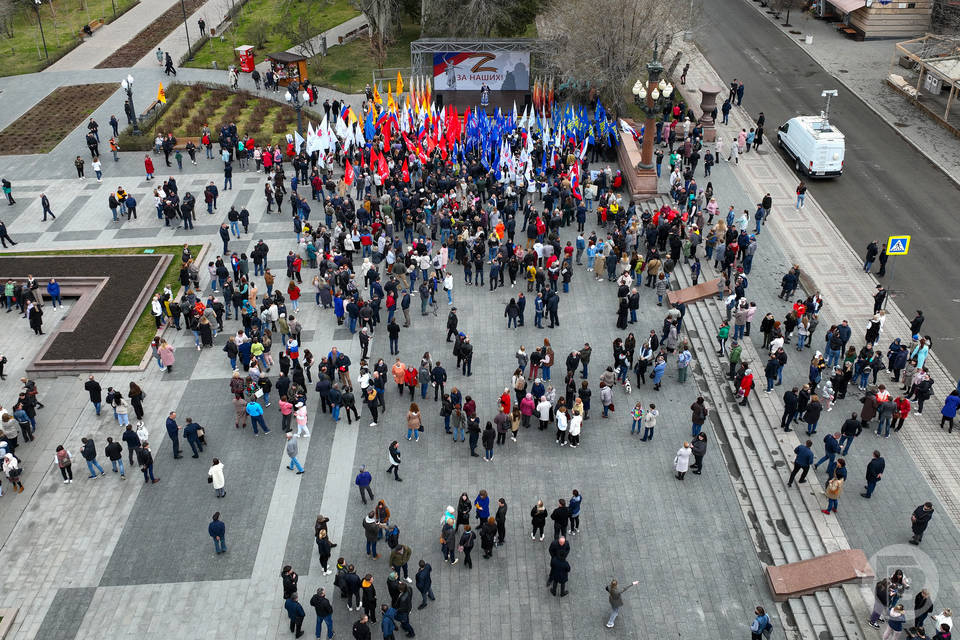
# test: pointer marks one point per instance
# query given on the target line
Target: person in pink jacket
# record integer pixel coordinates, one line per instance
(286, 410)
(527, 405)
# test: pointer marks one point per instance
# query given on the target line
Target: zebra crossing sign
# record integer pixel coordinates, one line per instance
(898, 245)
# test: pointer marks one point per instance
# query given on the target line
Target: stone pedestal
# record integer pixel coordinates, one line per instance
(707, 104)
(641, 184)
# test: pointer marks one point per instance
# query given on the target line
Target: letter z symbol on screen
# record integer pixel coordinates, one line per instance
(484, 57)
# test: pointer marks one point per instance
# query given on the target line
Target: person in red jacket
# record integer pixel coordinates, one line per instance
(293, 292)
(746, 385)
(410, 379)
(148, 166)
(505, 401)
(901, 412)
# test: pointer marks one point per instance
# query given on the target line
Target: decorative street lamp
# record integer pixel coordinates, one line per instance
(296, 100)
(127, 85)
(36, 7)
(651, 99)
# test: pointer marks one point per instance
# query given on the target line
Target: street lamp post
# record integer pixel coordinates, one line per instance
(127, 85)
(651, 99)
(36, 7)
(187, 30)
(296, 100)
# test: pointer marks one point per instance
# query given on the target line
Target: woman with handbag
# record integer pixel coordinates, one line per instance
(215, 476)
(11, 468)
(137, 396)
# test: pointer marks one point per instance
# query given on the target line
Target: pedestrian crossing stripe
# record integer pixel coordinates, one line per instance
(898, 245)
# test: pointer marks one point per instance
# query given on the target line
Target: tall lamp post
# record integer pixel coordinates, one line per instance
(127, 85)
(650, 99)
(36, 7)
(296, 100)
(187, 30)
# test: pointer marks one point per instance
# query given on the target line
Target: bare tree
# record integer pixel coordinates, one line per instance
(779, 6)
(383, 16)
(602, 45)
(476, 18)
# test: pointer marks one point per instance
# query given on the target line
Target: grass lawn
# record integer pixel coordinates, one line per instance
(21, 48)
(190, 106)
(349, 67)
(276, 23)
(145, 329)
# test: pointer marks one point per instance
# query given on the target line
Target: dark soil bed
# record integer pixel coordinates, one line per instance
(150, 36)
(42, 128)
(128, 275)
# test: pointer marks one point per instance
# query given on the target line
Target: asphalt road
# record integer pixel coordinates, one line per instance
(887, 187)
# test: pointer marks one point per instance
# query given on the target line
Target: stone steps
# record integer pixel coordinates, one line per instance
(788, 521)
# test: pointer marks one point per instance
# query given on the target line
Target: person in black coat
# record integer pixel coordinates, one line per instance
(452, 322)
(560, 516)
(290, 579)
(559, 572)
(919, 521)
(488, 533)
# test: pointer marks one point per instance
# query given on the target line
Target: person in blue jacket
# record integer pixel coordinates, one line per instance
(255, 411)
(802, 462)
(949, 410)
(831, 443)
(53, 290)
(218, 531)
(482, 505)
(387, 623)
(762, 621)
(296, 613)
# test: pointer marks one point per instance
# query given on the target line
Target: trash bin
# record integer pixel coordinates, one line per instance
(246, 55)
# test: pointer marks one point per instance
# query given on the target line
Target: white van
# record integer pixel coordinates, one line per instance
(816, 146)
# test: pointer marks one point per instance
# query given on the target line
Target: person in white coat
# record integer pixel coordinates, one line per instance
(216, 477)
(301, 415)
(682, 462)
(573, 430)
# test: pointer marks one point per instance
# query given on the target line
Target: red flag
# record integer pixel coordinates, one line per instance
(382, 168)
(386, 133)
(422, 155)
(406, 171)
(373, 159)
(348, 174)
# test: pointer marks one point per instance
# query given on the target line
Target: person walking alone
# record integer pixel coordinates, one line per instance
(616, 599)
(218, 531)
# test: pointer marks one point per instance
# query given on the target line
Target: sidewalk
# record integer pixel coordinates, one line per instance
(111, 37)
(213, 12)
(862, 68)
(810, 239)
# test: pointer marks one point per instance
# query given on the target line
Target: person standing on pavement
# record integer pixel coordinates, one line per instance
(393, 454)
(218, 531)
(145, 459)
(216, 477)
(296, 614)
(93, 388)
(114, 451)
(424, 583)
(616, 599)
(699, 449)
(919, 521)
(761, 626)
(363, 481)
(874, 474)
(173, 431)
(324, 611)
(89, 453)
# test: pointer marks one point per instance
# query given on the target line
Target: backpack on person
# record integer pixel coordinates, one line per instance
(393, 537)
